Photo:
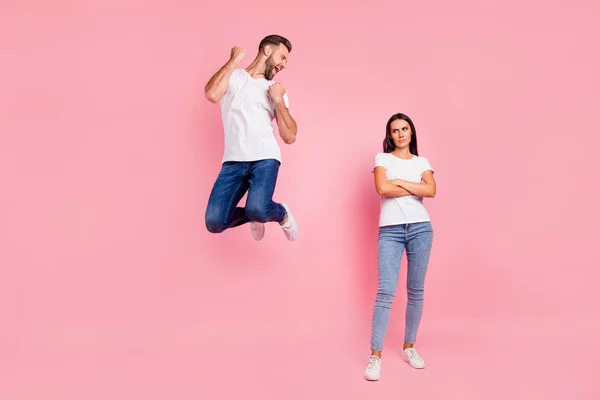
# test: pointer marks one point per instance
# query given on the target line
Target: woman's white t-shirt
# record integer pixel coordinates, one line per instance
(405, 209)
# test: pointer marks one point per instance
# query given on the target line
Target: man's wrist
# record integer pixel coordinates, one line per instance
(233, 63)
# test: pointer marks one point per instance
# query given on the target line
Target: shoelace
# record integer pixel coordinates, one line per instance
(373, 363)
(413, 353)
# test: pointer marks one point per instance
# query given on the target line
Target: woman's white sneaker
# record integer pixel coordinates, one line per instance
(373, 372)
(411, 356)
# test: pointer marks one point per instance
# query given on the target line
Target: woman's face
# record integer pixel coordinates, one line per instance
(401, 133)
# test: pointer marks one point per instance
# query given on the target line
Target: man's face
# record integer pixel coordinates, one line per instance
(277, 61)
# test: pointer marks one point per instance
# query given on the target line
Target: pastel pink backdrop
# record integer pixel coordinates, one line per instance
(112, 287)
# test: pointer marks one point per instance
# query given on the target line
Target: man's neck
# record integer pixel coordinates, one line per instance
(256, 69)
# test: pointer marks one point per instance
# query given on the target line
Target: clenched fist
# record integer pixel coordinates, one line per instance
(276, 91)
(237, 54)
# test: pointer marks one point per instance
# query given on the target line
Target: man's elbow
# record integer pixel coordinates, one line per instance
(289, 139)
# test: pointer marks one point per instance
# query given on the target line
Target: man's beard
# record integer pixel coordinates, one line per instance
(270, 68)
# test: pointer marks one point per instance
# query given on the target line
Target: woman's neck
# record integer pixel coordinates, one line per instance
(402, 153)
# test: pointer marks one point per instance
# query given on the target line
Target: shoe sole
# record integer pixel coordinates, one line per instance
(412, 366)
(261, 237)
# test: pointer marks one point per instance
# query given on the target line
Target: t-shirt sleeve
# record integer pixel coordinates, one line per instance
(234, 80)
(380, 161)
(426, 166)
(286, 100)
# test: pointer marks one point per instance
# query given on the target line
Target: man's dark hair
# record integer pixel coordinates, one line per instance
(275, 40)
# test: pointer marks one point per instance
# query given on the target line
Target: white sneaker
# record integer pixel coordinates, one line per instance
(373, 372)
(411, 356)
(257, 229)
(290, 228)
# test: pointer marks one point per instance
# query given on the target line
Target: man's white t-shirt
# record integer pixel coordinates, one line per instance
(406, 209)
(248, 111)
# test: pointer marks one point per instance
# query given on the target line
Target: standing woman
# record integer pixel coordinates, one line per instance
(403, 179)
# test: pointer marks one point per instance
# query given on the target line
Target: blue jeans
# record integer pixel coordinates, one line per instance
(416, 239)
(258, 178)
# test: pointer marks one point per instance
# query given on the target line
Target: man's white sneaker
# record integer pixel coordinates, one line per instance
(290, 228)
(411, 356)
(257, 229)
(373, 372)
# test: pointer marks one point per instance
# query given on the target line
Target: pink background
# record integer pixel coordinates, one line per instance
(112, 288)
